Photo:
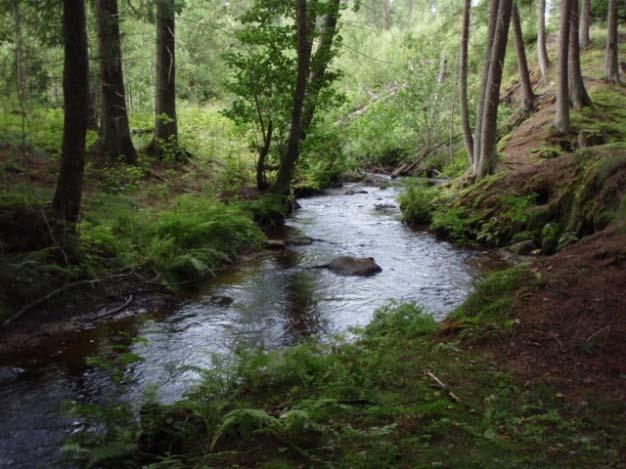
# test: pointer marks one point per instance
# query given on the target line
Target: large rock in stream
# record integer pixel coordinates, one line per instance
(348, 266)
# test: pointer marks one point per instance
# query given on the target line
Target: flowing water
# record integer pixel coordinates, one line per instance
(277, 300)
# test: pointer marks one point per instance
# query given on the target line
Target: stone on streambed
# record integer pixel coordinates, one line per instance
(301, 241)
(275, 244)
(362, 267)
(355, 192)
(384, 207)
(221, 300)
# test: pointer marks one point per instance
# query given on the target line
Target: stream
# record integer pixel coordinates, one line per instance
(276, 301)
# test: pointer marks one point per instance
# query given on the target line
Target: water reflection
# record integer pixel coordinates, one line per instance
(303, 317)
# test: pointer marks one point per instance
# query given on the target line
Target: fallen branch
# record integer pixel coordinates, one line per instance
(114, 311)
(443, 386)
(154, 175)
(56, 292)
(598, 332)
(408, 167)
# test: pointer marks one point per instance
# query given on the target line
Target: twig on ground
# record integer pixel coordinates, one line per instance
(443, 386)
(595, 334)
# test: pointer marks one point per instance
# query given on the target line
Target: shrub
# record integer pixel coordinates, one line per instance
(404, 319)
(416, 204)
(184, 244)
(453, 222)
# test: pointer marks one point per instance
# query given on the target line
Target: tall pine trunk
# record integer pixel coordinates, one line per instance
(578, 93)
(305, 21)
(166, 126)
(611, 67)
(115, 130)
(468, 139)
(542, 48)
(562, 121)
(67, 198)
(585, 20)
(493, 16)
(487, 155)
(522, 64)
(409, 9)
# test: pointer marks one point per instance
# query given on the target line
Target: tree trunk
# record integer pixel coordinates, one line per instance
(92, 109)
(522, 64)
(493, 15)
(67, 197)
(386, 14)
(585, 20)
(409, 9)
(319, 64)
(304, 24)
(261, 179)
(577, 91)
(114, 131)
(611, 68)
(544, 61)
(562, 121)
(487, 155)
(468, 139)
(166, 126)
(20, 75)
(443, 68)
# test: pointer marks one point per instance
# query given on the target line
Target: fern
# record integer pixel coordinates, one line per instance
(243, 423)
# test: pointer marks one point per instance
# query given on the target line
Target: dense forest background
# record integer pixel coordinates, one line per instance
(389, 63)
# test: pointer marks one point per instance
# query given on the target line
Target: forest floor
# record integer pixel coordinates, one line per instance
(572, 330)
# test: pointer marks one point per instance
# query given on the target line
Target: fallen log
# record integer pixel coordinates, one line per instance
(407, 168)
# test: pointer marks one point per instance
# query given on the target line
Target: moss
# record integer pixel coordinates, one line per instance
(550, 235)
(607, 115)
(455, 223)
(598, 193)
(581, 195)
(487, 310)
(547, 152)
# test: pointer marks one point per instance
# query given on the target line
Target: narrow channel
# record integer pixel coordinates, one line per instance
(273, 300)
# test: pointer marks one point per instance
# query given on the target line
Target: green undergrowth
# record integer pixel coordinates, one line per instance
(416, 203)
(369, 403)
(486, 314)
(184, 244)
(607, 116)
(180, 244)
(572, 196)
